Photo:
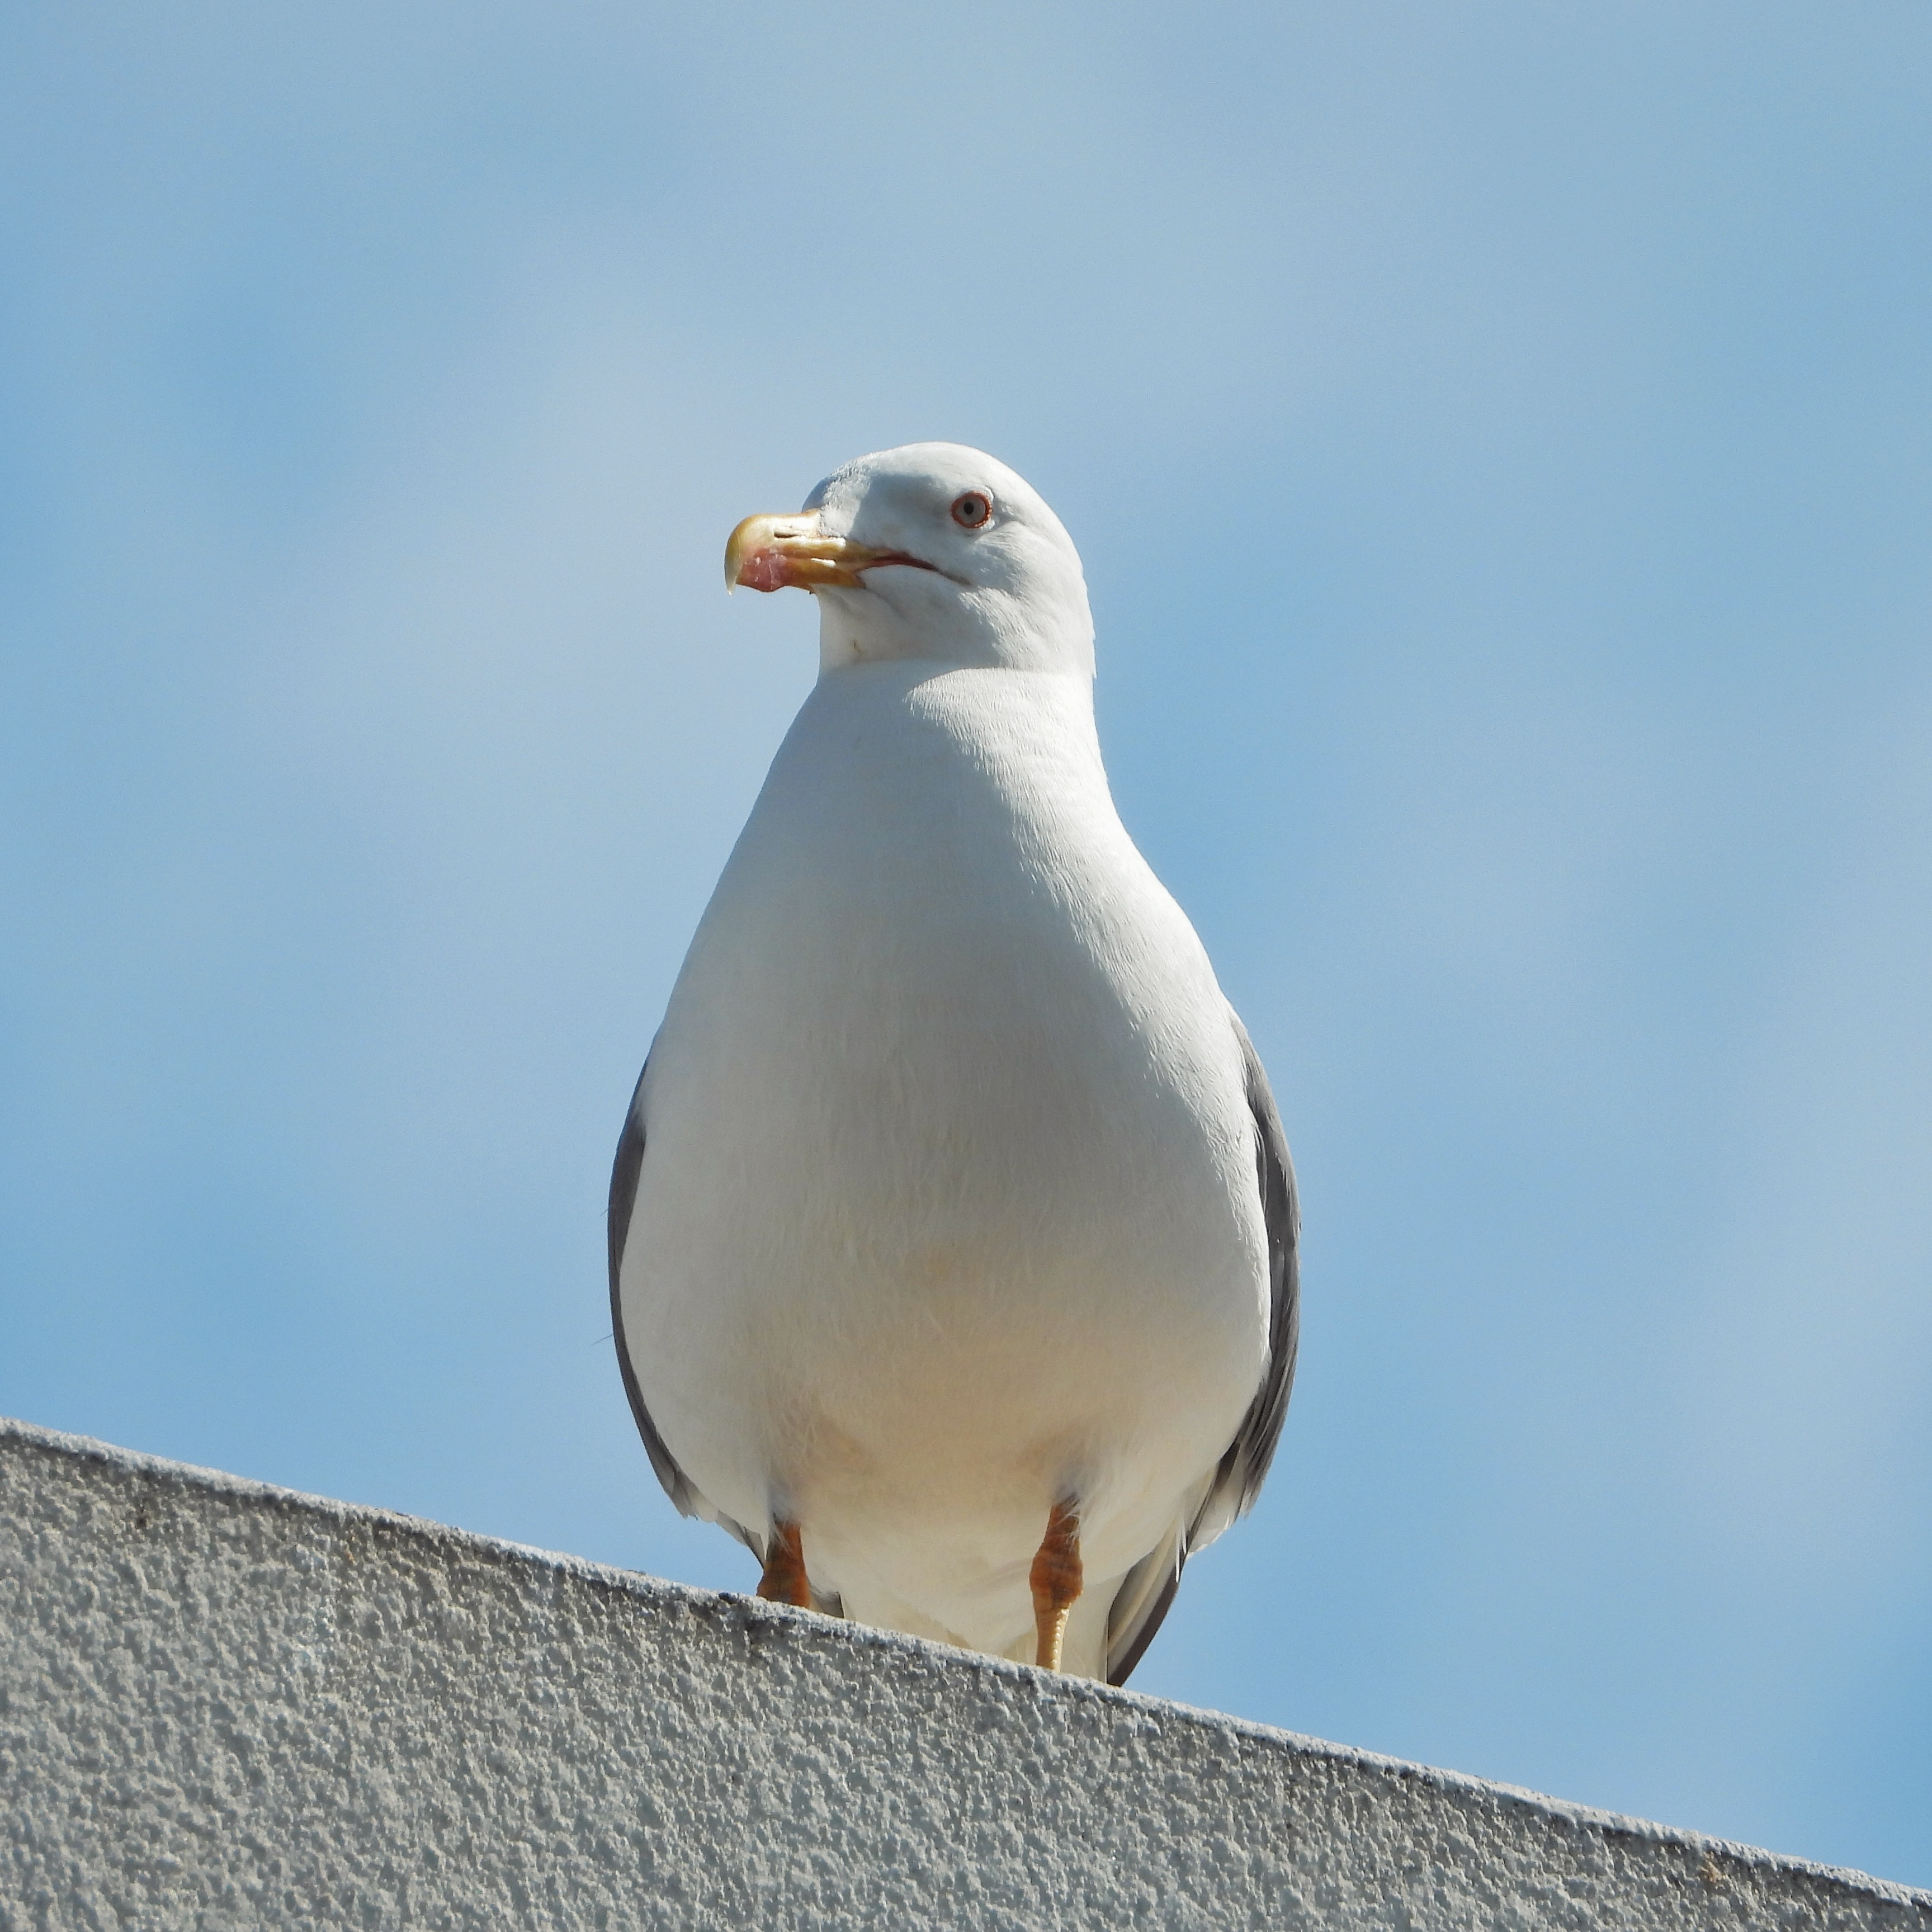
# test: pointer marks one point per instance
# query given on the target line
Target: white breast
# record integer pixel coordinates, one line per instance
(948, 1208)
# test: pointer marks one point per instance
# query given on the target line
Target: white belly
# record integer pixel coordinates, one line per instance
(948, 1206)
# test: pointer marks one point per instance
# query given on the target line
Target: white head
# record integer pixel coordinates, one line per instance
(932, 551)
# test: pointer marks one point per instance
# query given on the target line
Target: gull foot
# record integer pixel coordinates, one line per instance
(1056, 1579)
(784, 1581)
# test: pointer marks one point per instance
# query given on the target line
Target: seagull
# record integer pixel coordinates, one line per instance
(953, 1227)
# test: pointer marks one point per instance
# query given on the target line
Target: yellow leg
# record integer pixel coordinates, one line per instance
(1056, 1579)
(784, 1581)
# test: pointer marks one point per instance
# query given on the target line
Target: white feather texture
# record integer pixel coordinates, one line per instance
(949, 1208)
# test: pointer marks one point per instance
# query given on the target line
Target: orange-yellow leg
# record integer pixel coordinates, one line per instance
(1056, 1579)
(784, 1581)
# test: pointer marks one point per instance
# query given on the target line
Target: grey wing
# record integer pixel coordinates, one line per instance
(1145, 1595)
(1238, 1479)
(625, 1172)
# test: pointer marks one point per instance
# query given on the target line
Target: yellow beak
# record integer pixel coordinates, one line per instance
(775, 553)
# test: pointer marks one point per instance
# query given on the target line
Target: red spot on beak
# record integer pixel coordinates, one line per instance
(768, 569)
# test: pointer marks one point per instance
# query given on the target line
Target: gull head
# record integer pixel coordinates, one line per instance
(931, 552)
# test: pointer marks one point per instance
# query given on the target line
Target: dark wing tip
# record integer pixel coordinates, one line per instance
(1135, 1638)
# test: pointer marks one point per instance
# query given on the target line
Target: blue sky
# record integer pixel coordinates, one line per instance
(1500, 439)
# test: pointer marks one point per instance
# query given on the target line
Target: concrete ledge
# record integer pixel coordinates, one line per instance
(223, 1704)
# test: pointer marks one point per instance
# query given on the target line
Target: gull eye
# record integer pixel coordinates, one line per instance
(972, 512)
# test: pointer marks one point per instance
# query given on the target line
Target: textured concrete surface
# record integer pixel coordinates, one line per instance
(227, 1706)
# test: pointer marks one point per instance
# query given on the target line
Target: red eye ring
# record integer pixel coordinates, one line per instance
(973, 510)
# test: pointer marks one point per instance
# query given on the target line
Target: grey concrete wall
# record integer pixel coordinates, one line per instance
(227, 1706)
